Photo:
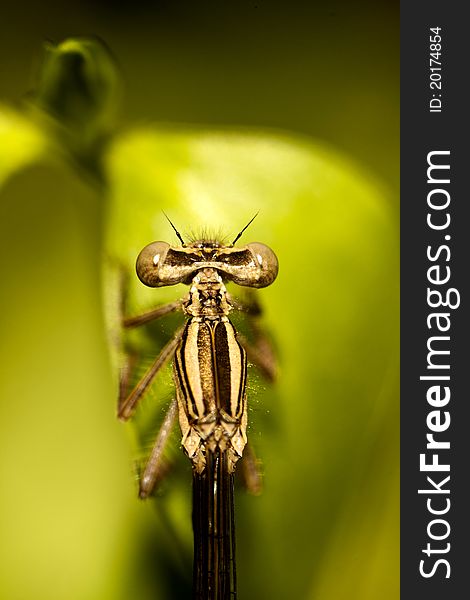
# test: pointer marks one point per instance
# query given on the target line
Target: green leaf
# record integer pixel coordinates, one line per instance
(64, 458)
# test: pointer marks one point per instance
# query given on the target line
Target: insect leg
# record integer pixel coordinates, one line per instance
(155, 468)
(250, 471)
(125, 376)
(127, 406)
(258, 348)
(130, 356)
(137, 320)
(261, 354)
(156, 313)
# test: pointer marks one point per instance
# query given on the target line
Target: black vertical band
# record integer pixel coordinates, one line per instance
(435, 253)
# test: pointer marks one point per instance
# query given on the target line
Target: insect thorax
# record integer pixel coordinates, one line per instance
(208, 296)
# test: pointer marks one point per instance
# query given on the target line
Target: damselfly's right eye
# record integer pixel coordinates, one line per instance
(266, 261)
(263, 268)
(254, 265)
(150, 266)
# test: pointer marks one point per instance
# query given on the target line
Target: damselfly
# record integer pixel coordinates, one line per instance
(209, 371)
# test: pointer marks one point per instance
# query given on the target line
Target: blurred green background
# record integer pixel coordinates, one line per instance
(227, 109)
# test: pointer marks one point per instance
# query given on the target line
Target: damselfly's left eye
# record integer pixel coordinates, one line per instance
(150, 265)
(159, 264)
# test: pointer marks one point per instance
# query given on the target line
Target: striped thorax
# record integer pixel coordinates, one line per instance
(210, 375)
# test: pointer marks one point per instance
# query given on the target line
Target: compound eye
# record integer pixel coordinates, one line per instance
(266, 263)
(150, 265)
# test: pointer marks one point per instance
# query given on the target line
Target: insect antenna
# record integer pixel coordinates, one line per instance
(176, 231)
(246, 226)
